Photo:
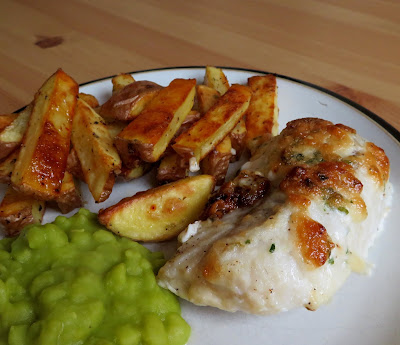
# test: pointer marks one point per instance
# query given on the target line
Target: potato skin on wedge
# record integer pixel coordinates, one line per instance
(216, 163)
(12, 134)
(70, 196)
(120, 81)
(172, 168)
(160, 213)
(18, 210)
(7, 167)
(127, 103)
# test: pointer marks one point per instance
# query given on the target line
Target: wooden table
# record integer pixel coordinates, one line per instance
(349, 46)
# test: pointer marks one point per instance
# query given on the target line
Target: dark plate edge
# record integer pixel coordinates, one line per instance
(387, 126)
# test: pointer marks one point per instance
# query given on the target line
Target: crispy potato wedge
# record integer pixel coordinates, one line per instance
(172, 168)
(115, 128)
(121, 80)
(149, 134)
(190, 119)
(160, 213)
(6, 120)
(213, 127)
(94, 147)
(238, 139)
(11, 135)
(129, 174)
(206, 97)
(216, 79)
(7, 167)
(129, 156)
(216, 163)
(133, 167)
(18, 210)
(70, 196)
(127, 103)
(41, 163)
(74, 165)
(89, 99)
(262, 115)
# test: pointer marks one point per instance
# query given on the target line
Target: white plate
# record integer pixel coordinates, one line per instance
(366, 310)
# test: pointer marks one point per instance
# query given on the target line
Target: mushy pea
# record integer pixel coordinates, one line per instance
(74, 282)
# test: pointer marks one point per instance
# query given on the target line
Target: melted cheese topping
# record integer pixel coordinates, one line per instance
(297, 246)
(313, 240)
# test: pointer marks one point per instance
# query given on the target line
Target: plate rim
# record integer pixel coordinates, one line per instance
(373, 116)
(390, 130)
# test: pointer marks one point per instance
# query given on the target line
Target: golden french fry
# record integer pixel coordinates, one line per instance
(262, 115)
(141, 169)
(121, 80)
(216, 79)
(39, 169)
(216, 163)
(149, 134)
(238, 139)
(89, 99)
(6, 120)
(206, 97)
(7, 167)
(74, 165)
(93, 144)
(70, 196)
(12, 134)
(214, 126)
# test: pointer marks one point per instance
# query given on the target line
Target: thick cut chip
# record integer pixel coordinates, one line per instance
(216, 163)
(18, 210)
(172, 168)
(6, 120)
(216, 79)
(7, 167)
(206, 97)
(94, 147)
(190, 119)
(89, 99)
(74, 165)
(41, 163)
(160, 213)
(70, 196)
(206, 133)
(141, 169)
(127, 103)
(121, 80)
(12, 134)
(262, 115)
(238, 139)
(115, 128)
(149, 134)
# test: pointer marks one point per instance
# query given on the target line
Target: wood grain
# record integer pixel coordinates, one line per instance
(347, 46)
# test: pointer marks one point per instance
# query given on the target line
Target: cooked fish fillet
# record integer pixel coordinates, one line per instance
(295, 247)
